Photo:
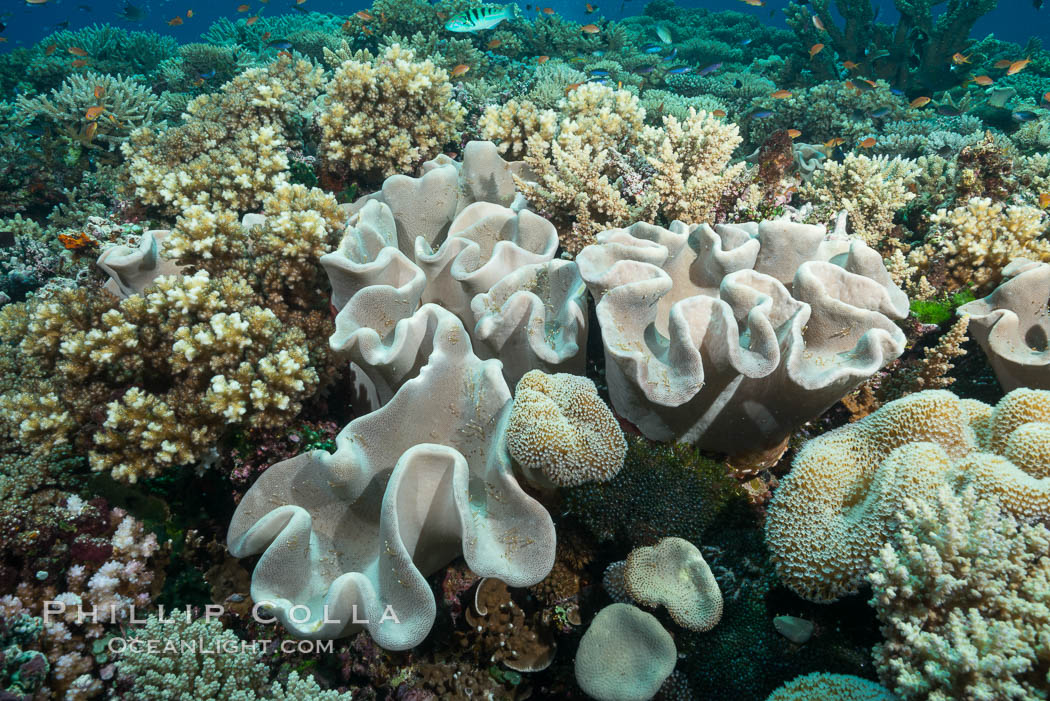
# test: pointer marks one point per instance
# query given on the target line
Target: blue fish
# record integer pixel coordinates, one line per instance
(745, 42)
(681, 70)
(880, 113)
(208, 75)
(280, 44)
(670, 57)
(706, 70)
(1025, 115)
(761, 114)
(644, 70)
(651, 48)
(599, 73)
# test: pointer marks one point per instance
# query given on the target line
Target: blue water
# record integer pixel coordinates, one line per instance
(1013, 20)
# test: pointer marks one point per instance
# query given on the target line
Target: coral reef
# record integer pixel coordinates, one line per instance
(625, 655)
(674, 574)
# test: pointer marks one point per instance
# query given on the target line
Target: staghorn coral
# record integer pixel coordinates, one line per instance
(561, 429)
(973, 243)
(110, 51)
(229, 152)
(838, 505)
(385, 115)
(126, 105)
(815, 328)
(961, 593)
(1012, 325)
(405, 504)
(869, 190)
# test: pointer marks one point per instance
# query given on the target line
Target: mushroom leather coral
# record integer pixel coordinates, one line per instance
(409, 488)
(712, 335)
(132, 270)
(455, 237)
(1013, 326)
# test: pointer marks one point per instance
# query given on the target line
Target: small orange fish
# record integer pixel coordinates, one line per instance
(849, 65)
(548, 11)
(755, 3)
(1018, 66)
(983, 80)
(815, 49)
(76, 241)
(590, 29)
(89, 132)
(958, 59)
(1044, 200)
(836, 141)
(199, 82)
(868, 142)
(1005, 63)
(346, 26)
(99, 91)
(50, 49)
(36, 2)
(189, 14)
(299, 2)
(794, 133)
(460, 70)
(919, 102)
(3, 40)
(79, 63)
(495, 43)
(265, 36)
(366, 30)
(251, 20)
(175, 22)
(542, 59)
(719, 113)
(571, 86)
(442, 15)
(243, 8)
(364, 16)
(77, 51)
(589, 8)
(121, 124)
(817, 23)
(781, 95)
(284, 54)
(1046, 98)
(93, 112)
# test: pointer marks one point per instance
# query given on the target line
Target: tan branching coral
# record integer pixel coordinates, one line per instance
(386, 115)
(837, 506)
(870, 190)
(126, 105)
(559, 427)
(512, 123)
(971, 244)
(229, 152)
(962, 594)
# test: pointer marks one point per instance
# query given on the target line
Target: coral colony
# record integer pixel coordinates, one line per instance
(451, 350)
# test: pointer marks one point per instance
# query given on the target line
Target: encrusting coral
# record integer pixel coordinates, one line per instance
(961, 593)
(359, 529)
(1012, 325)
(385, 115)
(837, 507)
(681, 363)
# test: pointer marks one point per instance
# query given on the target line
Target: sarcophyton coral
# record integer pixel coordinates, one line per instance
(625, 655)
(229, 151)
(869, 190)
(837, 506)
(126, 105)
(176, 671)
(351, 533)
(961, 592)
(385, 115)
(971, 244)
(674, 574)
(1012, 324)
(682, 363)
(455, 237)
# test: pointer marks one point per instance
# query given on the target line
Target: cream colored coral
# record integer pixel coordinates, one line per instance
(870, 190)
(512, 123)
(559, 427)
(601, 116)
(674, 574)
(836, 507)
(387, 115)
(625, 655)
(201, 234)
(962, 592)
(978, 239)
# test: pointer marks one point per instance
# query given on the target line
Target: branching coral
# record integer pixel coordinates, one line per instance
(869, 190)
(962, 594)
(229, 152)
(126, 105)
(386, 115)
(971, 244)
